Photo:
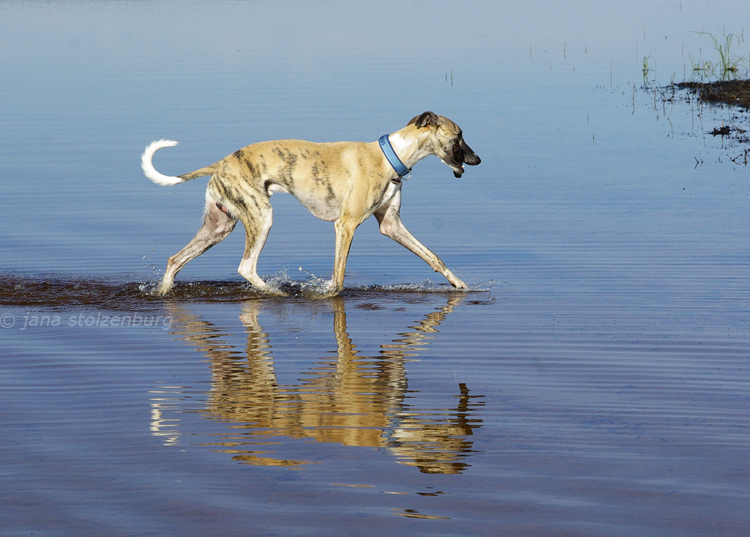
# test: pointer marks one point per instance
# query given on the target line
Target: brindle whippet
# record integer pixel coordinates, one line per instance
(341, 182)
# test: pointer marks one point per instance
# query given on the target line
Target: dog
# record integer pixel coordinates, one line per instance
(340, 182)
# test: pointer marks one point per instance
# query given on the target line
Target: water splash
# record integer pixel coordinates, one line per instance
(62, 291)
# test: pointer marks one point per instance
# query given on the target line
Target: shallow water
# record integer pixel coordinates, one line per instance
(595, 381)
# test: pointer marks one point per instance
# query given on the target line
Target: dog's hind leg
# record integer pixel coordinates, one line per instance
(217, 224)
(257, 225)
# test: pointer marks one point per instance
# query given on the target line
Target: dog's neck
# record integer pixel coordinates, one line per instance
(409, 146)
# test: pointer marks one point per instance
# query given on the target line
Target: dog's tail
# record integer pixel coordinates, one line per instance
(167, 180)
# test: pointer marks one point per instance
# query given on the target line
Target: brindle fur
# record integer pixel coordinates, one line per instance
(341, 182)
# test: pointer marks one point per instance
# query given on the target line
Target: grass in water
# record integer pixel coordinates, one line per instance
(729, 66)
(723, 80)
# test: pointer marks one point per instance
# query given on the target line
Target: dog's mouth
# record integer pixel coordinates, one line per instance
(460, 154)
(458, 170)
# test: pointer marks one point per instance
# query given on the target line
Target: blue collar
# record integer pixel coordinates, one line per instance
(390, 154)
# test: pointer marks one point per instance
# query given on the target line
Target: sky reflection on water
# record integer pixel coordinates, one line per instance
(599, 387)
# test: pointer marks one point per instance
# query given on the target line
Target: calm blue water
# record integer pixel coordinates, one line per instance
(595, 382)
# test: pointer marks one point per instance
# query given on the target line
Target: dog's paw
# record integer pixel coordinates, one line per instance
(328, 290)
(458, 284)
(273, 291)
(161, 290)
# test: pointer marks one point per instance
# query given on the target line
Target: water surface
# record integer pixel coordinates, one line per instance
(595, 381)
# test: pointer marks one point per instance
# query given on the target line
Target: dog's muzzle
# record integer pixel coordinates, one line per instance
(464, 155)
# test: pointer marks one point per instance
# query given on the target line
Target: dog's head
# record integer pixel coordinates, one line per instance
(447, 141)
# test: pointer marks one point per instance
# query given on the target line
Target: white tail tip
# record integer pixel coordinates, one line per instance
(148, 167)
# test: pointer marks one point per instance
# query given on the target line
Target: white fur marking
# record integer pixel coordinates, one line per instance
(148, 167)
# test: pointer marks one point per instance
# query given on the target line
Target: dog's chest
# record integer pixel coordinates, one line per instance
(326, 208)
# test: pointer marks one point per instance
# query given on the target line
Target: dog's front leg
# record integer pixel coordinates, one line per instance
(344, 234)
(391, 226)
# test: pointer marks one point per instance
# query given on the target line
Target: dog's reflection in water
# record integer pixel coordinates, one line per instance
(350, 399)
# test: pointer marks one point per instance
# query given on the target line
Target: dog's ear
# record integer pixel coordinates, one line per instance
(425, 119)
